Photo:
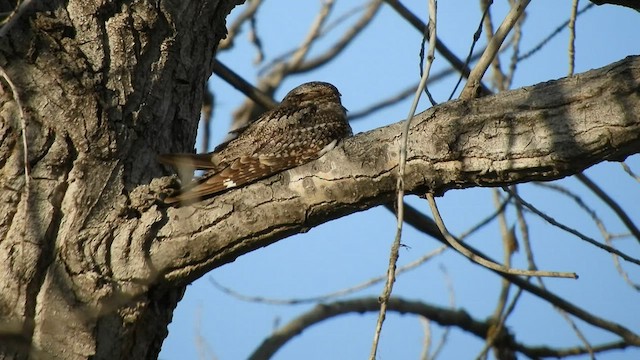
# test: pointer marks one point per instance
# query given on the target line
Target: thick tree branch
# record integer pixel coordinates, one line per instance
(442, 316)
(321, 312)
(542, 132)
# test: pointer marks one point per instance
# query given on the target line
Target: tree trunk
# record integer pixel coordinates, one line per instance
(94, 263)
(105, 86)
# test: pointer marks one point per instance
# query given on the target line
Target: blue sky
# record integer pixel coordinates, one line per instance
(348, 251)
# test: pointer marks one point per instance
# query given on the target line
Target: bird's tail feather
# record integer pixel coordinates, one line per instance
(185, 160)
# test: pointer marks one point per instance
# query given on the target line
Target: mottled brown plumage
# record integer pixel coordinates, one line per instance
(309, 122)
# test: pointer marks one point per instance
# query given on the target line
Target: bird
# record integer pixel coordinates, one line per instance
(309, 122)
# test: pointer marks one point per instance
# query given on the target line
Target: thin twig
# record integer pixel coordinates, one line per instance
(524, 231)
(622, 215)
(428, 226)
(426, 339)
(472, 87)
(508, 239)
(394, 253)
(249, 12)
(452, 304)
(314, 32)
(486, 220)
(498, 326)
(457, 64)
(281, 69)
(202, 345)
(579, 202)
(344, 17)
(349, 35)
(575, 232)
(618, 266)
(403, 94)
(298, 61)
(572, 37)
(497, 74)
(515, 46)
(608, 236)
(254, 38)
(587, 346)
(342, 43)
(476, 38)
(565, 315)
(430, 57)
(553, 34)
(440, 315)
(392, 100)
(630, 172)
(482, 261)
(320, 298)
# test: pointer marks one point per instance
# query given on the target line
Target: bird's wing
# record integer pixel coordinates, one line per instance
(242, 171)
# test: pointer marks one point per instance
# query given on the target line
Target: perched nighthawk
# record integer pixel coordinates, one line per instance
(309, 122)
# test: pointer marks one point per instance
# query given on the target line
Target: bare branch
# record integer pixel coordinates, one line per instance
(319, 298)
(473, 86)
(457, 64)
(426, 339)
(565, 308)
(608, 237)
(341, 44)
(525, 231)
(297, 61)
(510, 246)
(575, 232)
(515, 45)
(487, 219)
(442, 316)
(402, 160)
(482, 261)
(572, 36)
(553, 34)
(248, 15)
(497, 74)
(314, 32)
(405, 93)
(617, 209)
(630, 172)
(452, 304)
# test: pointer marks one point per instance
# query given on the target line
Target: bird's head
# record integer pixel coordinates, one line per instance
(315, 92)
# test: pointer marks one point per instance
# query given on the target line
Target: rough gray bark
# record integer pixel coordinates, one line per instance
(106, 85)
(93, 264)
